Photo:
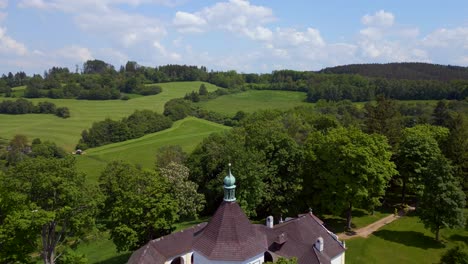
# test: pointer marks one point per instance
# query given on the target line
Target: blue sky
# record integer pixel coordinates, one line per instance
(247, 36)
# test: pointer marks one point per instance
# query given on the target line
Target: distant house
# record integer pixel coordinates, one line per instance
(230, 238)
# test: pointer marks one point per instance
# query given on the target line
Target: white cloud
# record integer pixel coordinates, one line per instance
(8, 44)
(238, 16)
(75, 53)
(380, 19)
(187, 22)
(3, 4)
(165, 53)
(448, 38)
(3, 15)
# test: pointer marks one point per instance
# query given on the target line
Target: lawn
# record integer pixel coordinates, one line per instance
(186, 133)
(360, 218)
(66, 132)
(100, 250)
(253, 100)
(403, 241)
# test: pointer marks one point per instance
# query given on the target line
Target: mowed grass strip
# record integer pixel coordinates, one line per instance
(253, 100)
(403, 241)
(187, 133)
(67, 132)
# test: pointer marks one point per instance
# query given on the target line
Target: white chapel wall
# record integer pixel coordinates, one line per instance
(200, 259)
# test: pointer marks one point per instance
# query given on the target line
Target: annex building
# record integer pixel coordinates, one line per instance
(230, 238)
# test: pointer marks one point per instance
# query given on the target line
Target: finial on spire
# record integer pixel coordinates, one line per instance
(229, 186)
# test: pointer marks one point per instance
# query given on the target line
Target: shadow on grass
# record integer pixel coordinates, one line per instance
(117, 259)
(459, 238)
(409, 238)
(337, 224)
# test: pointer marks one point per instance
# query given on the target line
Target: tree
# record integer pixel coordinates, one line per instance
(456, 148)
(18, 148)
(384, 118)
(455, 255)
(351, 167)
(168, 154)
(418, 147)
(284, 261)
(183, 190)
(442, 201)
(202, 90)
(46, 204)
(441, 114)
(138, 206)
(63, 112)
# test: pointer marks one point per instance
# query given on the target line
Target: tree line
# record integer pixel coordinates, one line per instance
(23, 106)
(138, 124)
(402, 81)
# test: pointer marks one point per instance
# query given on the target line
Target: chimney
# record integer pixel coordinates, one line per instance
(319, 244)
(269, 221)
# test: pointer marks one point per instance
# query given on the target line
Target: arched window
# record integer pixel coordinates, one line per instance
(191, 259)
(267, 257)
(178, 260)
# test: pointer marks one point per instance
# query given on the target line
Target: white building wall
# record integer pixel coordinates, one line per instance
(187, 257)
(200, 259)
(340, 259)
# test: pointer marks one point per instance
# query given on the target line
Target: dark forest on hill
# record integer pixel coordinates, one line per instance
(403, 70)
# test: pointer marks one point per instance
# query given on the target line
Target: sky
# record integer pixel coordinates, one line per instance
(246, 36)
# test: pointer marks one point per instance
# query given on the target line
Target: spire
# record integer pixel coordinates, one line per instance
(229, 187)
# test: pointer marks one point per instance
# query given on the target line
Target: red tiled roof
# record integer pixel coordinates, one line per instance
(161, 249)
(302, 233)
(230, 236)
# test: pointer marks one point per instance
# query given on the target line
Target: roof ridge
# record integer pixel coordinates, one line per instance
(330, 233)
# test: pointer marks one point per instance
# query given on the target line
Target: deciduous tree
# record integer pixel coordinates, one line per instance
(46, 204)
(352, 169)
(183, 191)
(138, 206)
(442, 201)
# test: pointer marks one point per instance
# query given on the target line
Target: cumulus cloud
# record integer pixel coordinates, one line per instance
(448, 37)
(8, 44)
(382, 40)
(75, 53)
(3, 4)
(237, 16)
(380, 19)
(104, 19)
(165, 53)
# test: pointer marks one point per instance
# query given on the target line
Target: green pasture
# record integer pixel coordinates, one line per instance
(67, 132)
(253, 100)
(403, 241)
(186, 133)
(18, 91)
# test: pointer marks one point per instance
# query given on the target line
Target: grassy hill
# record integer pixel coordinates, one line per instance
(186, 133)
(254, 100)
(66, 132)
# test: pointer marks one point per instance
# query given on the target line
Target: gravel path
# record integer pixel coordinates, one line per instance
(367, 230)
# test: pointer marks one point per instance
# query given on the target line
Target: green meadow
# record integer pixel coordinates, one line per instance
(253, 100)
(403, 241)
(67, 132)
(186, 133)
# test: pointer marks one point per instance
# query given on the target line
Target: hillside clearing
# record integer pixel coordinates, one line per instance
(253, 100)
(66, 132)
(186, 133)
